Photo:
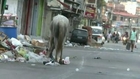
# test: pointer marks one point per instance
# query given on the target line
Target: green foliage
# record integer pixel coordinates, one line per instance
(101, 3)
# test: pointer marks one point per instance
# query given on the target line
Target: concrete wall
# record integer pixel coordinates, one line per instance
(46, 26)
(0, 5)
(12, 6)
(19, 14)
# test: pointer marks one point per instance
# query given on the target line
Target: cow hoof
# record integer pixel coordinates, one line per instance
(61, 62)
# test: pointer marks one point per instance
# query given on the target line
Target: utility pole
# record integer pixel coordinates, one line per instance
(96, 9)
(3, 4)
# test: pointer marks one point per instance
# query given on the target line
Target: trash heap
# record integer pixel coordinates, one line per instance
(22, 49)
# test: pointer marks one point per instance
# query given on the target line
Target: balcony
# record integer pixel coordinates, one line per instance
(70, 1)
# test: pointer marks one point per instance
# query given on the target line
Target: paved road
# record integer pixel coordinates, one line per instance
(114, 64)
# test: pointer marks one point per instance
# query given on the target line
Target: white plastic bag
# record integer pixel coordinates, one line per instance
(67, 60)
(36, 58)
(16, 42)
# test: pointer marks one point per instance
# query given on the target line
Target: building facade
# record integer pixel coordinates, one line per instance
(34, 16)
(122, 17)
(11, 7)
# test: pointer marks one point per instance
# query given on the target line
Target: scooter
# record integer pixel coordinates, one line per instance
(124, 40)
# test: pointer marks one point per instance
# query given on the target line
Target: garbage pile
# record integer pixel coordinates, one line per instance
(22, 49)
(68, 44)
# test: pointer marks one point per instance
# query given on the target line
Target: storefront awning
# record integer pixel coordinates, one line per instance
(125, 14)
(72, 9)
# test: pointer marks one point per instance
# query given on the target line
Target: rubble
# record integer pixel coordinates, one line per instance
(25, 48)
(22, 49)
(68, 44)
(97, 57)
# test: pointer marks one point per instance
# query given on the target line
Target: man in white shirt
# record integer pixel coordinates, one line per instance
(133, 38)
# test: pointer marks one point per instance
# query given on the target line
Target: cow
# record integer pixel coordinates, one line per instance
(59, 27)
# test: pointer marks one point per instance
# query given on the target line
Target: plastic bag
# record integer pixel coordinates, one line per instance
(67, 60)
(16, 42)
(36, 58)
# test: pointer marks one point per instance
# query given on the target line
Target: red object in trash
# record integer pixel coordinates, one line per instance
(10, 44)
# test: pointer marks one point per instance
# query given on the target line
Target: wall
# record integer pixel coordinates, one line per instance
(130, 9)
(46, 29)
(46, 20)
(12, 6)
(0, 5)
(34, 18)
(40, 15)
(19, 14)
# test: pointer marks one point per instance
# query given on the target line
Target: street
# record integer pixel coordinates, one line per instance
(86, 63)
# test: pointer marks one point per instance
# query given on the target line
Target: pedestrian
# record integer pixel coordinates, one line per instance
(133, 38)
(113, 37)
(109, 37)
(116, 37)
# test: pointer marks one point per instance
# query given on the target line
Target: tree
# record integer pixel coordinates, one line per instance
(101, 3)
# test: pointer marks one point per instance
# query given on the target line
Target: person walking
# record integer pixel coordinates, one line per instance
(133, 38)
(109, 37)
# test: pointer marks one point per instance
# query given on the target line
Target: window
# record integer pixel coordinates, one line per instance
(121, 18)
(114, 18)
(6, 7)
(80, 32)
(96, 31)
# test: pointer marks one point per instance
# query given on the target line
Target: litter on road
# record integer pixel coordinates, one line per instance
(77, 69)
(22, 49)
(128, 69)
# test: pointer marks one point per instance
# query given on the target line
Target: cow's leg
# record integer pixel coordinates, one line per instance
(51, 51)
(60, 60)
(61, 51)
(51, 48)
(56, 49)
(56, 56)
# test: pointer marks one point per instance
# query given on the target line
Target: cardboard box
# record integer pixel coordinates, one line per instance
(27, 38)
(37, 43)
(2, 36)
(41, 44)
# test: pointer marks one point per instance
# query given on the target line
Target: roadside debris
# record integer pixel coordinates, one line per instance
(128, 69)
(97, 57)
(51, 63)
(74, 57)
(99, 72)
(104, 48)
(33, 64)
(86, 46)
(22, 49)
(26, 48)
(65, 61)
(77, 69)
(68, 44)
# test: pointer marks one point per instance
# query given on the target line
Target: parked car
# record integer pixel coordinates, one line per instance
(79, 36)
(97, 34)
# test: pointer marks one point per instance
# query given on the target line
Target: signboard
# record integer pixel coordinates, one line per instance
(118, 24)
(138, 10)
(138, 0)
(89, 12)
(91, 1)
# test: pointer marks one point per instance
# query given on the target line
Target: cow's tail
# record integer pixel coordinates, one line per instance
(62, 29)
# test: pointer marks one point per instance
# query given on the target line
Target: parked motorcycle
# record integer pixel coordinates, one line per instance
(124, 40)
